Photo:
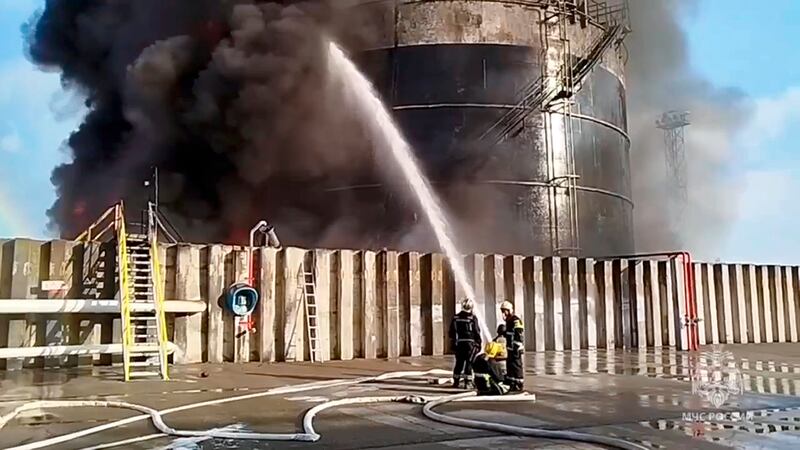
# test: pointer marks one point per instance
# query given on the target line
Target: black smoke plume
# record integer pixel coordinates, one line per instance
(231, 100)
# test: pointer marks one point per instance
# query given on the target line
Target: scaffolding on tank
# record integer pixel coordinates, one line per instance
(552, 94)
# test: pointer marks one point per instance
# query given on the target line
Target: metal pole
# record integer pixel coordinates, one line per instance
(155, 180)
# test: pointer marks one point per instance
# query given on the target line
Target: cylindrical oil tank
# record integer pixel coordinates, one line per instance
(558, 183)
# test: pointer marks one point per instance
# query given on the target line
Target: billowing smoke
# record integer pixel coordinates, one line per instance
(231, 100)
(660, 79)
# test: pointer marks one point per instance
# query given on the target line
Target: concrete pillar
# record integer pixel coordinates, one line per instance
(713, 303)
(389, 325)
(609, 305)
(624, 277)
(670, 309)
(450, 301)
(413, 325)
(266, 317)
(584, 292)
(358, 305)
(514, 290)
(528, 287)
(557, 316)
(323, 298)
(727, 304)
(755, 309)
(90, 328)
(24, 283)
(58, 265)
(245, 342)
(404, 304)
(788, 305)
(572, 308)
(741, 304)
(734, 303)
(495, 291)
(780, 307)
(655, 304)
(640, 302)
(346, 304)
(539, 300)
(230, 339)
(189, 327)
(766, 299)
(700, 299)
(592, 309)
(369, 300)
(438, 330)
(215, 274)
(792, 302)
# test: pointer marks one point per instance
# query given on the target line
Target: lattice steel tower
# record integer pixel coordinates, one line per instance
(674, 124)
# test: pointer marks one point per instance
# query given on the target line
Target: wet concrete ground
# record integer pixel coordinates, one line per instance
(645, 397)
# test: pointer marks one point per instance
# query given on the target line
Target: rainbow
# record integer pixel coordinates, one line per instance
(12, 222)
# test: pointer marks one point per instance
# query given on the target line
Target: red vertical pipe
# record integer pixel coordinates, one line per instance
(691, 301)
(251, 274)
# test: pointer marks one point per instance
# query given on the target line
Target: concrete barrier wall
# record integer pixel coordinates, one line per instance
(389, 304)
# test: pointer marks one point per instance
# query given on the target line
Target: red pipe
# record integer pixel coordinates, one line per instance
(690, 301)
(251, 268)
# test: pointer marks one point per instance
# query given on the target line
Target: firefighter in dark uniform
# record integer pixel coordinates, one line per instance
(515, 370)
(465, 340)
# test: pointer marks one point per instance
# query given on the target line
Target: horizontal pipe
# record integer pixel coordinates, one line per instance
(69, 350)
(90, 306)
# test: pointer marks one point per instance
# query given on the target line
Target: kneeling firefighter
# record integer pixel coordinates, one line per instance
(465, 339)
(515, 370)
(487, 380)
(497, 351)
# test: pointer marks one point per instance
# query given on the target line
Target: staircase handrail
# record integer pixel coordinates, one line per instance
(124, 285)
(158, 291)
(89, 235)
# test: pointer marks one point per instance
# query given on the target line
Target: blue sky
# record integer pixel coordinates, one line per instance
(35, 118)
(733, 43)
(753, 48)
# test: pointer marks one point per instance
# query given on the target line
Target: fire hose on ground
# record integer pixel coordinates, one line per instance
(309, 434)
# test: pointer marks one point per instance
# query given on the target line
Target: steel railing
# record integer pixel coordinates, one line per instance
(158, 286)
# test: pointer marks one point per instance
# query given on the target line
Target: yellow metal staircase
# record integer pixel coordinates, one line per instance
(141, 296)
(143, 319)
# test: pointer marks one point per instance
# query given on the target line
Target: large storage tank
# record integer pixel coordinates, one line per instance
(555, 182)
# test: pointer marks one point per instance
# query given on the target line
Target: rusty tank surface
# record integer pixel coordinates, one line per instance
(516, 111)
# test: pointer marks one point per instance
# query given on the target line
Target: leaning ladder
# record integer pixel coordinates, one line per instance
(310, 300)
(143, 321)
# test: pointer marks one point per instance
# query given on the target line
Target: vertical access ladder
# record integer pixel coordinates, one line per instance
(310, 301)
